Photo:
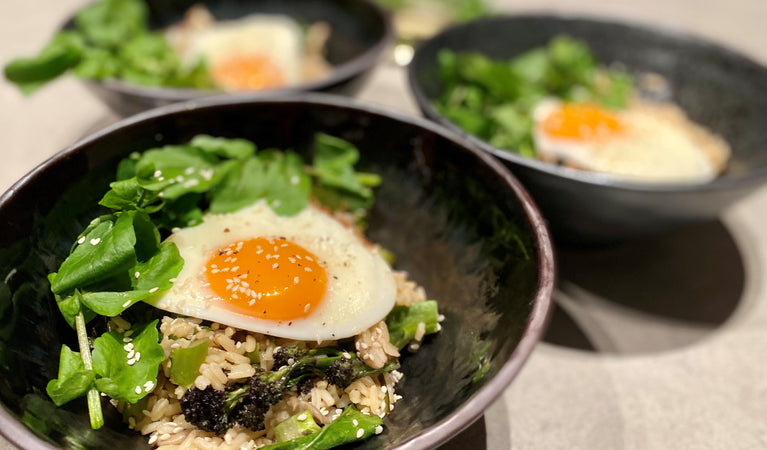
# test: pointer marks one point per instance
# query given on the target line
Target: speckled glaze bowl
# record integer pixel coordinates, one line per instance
(456, 219)
(716, 87)
(360, 33)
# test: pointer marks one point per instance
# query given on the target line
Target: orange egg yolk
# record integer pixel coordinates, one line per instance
(267, 278)
(582, 122)
(248, 72)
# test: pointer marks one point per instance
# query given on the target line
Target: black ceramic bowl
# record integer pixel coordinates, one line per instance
(361, 32)
(716, 87)
(457, 220)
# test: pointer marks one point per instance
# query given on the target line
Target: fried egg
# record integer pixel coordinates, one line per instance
(305, 277)
(645, 142)
(255, 52)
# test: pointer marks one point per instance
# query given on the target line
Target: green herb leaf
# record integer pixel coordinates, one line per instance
(403, 321)
(296, 426)
(334, 161)
(106, 250)
(74, 379)
(120, 380)
(186, 362)
(278, 178)
(61, 54)
(110, 23)
(344, 430)
(225, 148)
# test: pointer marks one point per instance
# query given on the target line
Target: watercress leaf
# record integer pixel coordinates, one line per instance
(186, 362)
(109, 23)
(157, 271)
(334, 161)
(198, 181)
(223, 147)
(172, 161)
(98, 64)
(279, 179)
(130, 194)
(343, 430)
(288, 186)
(71, 306)
(120, 380)
(74, 379)
(403, 321)
(147, 235)
(532, 65)
(111, 304)
(107, 250)
(61, 54)
(295, 426)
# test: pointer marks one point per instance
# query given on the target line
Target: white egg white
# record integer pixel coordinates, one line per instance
(278, 37)
(655, 147)
(360, 291)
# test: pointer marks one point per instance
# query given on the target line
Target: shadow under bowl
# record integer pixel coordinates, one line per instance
(360, 33)
(456, 219)
(724, 91)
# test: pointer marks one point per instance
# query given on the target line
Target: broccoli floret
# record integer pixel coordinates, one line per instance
(205, 409)
(343, 371)
(216, 411)
(285, 356)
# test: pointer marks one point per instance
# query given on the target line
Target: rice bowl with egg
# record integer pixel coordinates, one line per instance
(262, 243)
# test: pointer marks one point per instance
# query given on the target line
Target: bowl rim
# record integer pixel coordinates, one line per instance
(589, 178)
(475, 405)
(338, 74)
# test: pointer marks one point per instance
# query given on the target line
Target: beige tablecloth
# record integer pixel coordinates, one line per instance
(669, 352)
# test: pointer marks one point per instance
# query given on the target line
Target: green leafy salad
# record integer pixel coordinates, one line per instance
(121, 260)
(495, 99)
(109, 39)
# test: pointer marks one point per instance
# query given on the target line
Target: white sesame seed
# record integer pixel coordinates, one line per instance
(306, 308)
(81, 240)
(295, 280)
(131, 362)
(157, 173)
(95, 241)
(294, 180)
(126, 304)
(308, 258)
(379, 429)
(138, 356)
(148, 386)
(175, 345)
(292, 259)
(189, 171)
(136, 275)
(126, 339)
(275, 265)
(235, 268)
(138, 389)
(355, 423)
(131, 354)
(192, 183)
(154, 289)
(347, 355)
(128, 347)
(251, 303)
(307, 269)
(302, 417)
(153, 439)
(360, 433)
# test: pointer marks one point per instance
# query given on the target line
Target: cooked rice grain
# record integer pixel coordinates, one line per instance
(228, 359)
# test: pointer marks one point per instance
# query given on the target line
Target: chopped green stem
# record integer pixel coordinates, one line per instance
(94, 397)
